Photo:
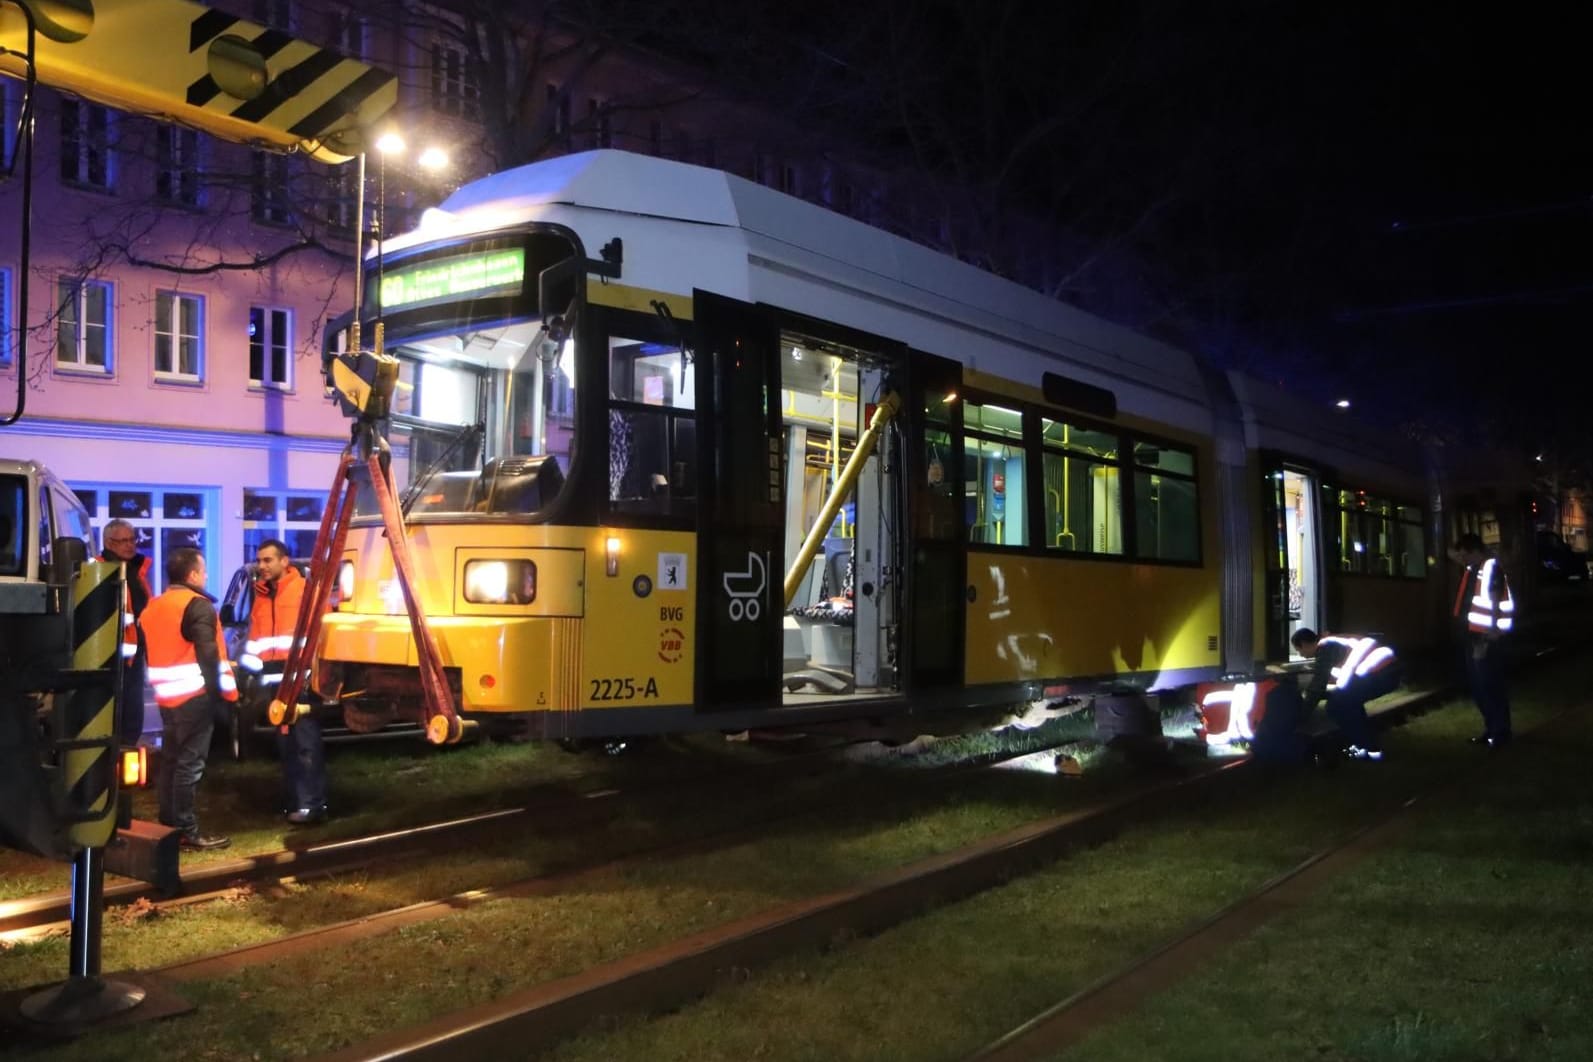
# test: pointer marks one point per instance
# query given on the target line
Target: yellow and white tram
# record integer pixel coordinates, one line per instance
(629, 387)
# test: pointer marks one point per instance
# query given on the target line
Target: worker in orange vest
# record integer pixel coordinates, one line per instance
(1484, 614)
(278, 594)
(190, 674)
(120, 540)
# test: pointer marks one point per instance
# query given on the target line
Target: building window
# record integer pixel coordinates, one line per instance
(346, 31)
(558, 104)
(85, 144)
(268, 192)
(342, 198)
(164, 519)
(454, 88)
(655, 137)
(270, 348)
(600, 124)
(274, 14)
(177, 173)
(9, 106)
(179, 343)
(290, 516)
(7, 341)
(788, 179)
(82, 325)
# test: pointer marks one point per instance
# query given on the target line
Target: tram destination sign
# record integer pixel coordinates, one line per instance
(500, 272)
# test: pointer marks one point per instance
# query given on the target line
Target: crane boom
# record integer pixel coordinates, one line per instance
(179, 61)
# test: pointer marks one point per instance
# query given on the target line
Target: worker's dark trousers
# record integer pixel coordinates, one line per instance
(303, 764)
(130, 709)
(184, 744)
(1487, 677)
(1347, 707)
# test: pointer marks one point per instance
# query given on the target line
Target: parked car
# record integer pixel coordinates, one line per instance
(1558, 562)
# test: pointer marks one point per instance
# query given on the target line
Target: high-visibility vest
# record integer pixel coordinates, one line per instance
(1365, 657)
(173, 666)
(136, 596)
(1486, 612)
(271, 623)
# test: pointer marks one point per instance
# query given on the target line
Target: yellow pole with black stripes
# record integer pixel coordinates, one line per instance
(86, 746)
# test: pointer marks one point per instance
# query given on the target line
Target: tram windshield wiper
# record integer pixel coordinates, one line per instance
(455, 444)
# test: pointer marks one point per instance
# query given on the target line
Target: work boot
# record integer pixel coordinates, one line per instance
(201, 843)
(307, 816)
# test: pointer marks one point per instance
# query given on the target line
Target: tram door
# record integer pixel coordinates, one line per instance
(739, 595)
(1295, 596)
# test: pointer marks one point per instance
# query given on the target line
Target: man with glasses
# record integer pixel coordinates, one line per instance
(121, 547)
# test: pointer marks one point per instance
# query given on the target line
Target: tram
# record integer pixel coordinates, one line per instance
(680, 452)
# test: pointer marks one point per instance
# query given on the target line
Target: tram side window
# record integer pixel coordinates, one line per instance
(1083, 489)
(995, 491)
(652, 428)
(1166, 503)
(1410, 545)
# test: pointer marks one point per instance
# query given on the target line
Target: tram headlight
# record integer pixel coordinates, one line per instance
(345, 583)
(500, 582)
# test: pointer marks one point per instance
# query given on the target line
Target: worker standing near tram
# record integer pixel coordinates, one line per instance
(190, 674)
(120, 540)
(1484, 613)
(1350, 669)
(278, 597)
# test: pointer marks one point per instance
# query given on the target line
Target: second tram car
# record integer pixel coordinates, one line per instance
(613, 468)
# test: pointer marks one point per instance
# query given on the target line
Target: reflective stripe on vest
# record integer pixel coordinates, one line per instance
(174, 671)
(1364, 657)
(1486, 614)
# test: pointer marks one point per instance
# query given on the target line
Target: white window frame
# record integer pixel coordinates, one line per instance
(267, 190)
(178, 166)
(8, 341)
(342, 198)
(172, 340)
(350, 33)
(271, 317)
(274, 14)
(454, 90)
(79, 289)
(80, 142)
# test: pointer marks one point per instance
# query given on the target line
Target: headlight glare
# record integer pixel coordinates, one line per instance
(500, 582)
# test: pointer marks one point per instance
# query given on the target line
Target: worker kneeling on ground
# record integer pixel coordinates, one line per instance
(1350, 670)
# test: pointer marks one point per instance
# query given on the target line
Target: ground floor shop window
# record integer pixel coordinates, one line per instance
(165, 519)
(292, 516)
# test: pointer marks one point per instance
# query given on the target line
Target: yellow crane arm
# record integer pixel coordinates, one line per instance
(179, 61)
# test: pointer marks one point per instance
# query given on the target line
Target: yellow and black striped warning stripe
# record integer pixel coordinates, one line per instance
(88, 760)
(164, 57)
(343, 85)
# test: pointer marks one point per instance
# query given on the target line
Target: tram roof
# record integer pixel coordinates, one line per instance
(799, 235)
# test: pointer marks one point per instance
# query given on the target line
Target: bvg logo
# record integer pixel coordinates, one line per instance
(671, 644)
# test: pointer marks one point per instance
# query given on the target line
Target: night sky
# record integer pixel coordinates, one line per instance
(1389, 202)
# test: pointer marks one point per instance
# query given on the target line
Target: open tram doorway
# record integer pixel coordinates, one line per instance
(1296, 593)
(839, 630)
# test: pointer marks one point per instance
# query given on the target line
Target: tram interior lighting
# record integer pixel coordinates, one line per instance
(567, 361)
(796, 353)
(612, 552)
(500, 582)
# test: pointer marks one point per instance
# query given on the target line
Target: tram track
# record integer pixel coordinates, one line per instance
(675, 973)
(1120, 992)
(50, 912)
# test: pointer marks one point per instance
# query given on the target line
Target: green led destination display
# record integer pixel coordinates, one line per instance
(461, 276)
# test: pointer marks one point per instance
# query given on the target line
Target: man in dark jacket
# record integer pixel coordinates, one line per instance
(121, 547)
(190, 673)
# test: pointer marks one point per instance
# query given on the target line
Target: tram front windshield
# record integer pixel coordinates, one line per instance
(488, 416)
